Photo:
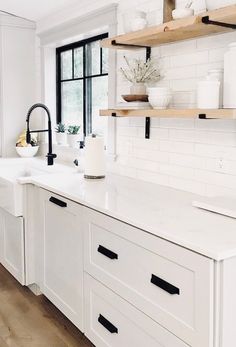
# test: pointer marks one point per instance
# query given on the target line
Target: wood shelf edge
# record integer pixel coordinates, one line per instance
(171, 113)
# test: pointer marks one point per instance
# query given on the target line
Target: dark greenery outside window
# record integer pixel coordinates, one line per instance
(82, 84)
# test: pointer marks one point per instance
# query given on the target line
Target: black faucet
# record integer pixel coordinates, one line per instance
(50, 156)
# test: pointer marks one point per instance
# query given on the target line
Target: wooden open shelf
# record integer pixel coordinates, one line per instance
(176, 30)
(172, 113)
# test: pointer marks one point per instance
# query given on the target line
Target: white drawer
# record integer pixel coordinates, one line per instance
(111, 322)
(168, 283)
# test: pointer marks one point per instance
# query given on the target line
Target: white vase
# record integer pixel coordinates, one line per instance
(230, 77)
(73, 140)
(214, 4)
(61, 139)
(138, 89)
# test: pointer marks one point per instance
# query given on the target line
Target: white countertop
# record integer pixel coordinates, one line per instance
(161, 211)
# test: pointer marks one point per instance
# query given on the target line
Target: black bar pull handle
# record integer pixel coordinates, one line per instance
(58, 202)
(169, 288)
(105, 251)
(108, 325)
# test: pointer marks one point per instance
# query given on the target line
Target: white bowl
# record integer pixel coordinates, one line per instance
(214, 4)
(160, 102)
(182, 13)
(27, 152)
(159, 92)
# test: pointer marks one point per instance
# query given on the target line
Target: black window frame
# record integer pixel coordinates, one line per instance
(87, 116)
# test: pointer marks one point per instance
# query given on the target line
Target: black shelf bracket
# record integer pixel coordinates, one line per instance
(148, 119)
(148, 55)
(207, 20)
(127, 45)
(204, 116)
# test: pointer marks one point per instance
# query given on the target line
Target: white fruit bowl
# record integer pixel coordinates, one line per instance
(27, 152)
(160, 102)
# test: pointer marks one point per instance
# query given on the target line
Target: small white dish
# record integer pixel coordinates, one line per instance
(27, 152)
(182, 13)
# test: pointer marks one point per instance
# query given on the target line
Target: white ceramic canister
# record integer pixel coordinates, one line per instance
(94, 157)
(230, 77)
(208, 94)
(217, 74)
(138, 16)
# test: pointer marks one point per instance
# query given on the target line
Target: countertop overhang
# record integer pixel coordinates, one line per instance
(164, 212)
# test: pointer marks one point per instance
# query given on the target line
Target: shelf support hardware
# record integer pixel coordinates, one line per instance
(204, 116)
(127, 45)
(148, 55)
(207, 20)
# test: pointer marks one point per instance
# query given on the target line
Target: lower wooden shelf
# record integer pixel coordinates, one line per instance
(172, 113)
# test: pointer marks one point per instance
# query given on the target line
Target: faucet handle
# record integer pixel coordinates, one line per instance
(50, 157)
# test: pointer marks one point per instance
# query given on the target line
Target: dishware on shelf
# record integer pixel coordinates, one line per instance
(230, 77)
(182, 13)
(138, 23)
(208, 94)
(133, 18)
(156, 91)
(160, 102)
(215, 4)
(27, 152)
(132, 98)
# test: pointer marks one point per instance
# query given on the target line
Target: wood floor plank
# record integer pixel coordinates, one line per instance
(30, 321)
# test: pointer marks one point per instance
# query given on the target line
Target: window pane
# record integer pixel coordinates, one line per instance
(72, 103)
(78, 62)
(93, 58)
(66, 65)
(99, 101)
(105, 60)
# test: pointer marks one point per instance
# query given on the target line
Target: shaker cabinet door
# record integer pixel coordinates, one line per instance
(62, 256)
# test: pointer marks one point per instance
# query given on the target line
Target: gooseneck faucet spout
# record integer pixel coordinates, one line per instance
(50, 155)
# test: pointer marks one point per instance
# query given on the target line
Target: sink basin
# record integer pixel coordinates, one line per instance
(16, 172)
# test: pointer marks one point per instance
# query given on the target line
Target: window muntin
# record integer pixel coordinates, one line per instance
(82, 84)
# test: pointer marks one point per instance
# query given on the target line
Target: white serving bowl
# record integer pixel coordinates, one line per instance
(160, 102)
(157, 91)
(27, 152)
(214, 4)
(182, 13)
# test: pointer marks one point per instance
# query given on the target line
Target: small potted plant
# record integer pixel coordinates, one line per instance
(61, 134)
(73, 136)
(139, 72)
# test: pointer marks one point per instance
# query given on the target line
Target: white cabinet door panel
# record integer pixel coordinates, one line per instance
(62, 256)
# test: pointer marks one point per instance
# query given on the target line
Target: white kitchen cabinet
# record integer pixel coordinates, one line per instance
(161, 279)
(110, 321)
(17, 78)
(62, 256)
(12, 249)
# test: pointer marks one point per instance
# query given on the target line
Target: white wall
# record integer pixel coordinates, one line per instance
(193, 155)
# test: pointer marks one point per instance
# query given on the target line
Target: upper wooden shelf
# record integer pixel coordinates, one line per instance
(172, 113)
(176, 30)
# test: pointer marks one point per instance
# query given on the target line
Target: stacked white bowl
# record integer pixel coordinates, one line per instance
(159, 97)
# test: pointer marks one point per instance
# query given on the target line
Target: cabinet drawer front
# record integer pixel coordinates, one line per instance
(111, 321)
(170, 284)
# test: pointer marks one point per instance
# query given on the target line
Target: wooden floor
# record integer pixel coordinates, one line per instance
(30, 321)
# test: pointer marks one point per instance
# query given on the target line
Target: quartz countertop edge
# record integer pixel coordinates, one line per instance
(162, 211)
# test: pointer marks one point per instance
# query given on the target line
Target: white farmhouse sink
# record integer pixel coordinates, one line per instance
(14, 173)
